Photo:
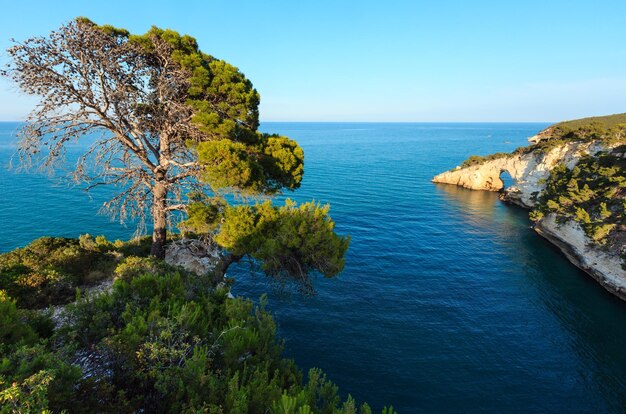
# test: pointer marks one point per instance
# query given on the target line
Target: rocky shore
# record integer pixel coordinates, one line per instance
(530, 171)
(570, 238)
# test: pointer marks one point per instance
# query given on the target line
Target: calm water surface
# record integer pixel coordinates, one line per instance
(449, 301)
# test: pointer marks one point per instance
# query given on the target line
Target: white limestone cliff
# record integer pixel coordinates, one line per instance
(603, 266)
(193, 255)
(530, 171)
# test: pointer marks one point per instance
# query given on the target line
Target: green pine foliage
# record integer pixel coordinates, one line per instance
(225, 102)
(163, 340)
(592, 193)
(290, 238)
(266, 167)
(289, 241)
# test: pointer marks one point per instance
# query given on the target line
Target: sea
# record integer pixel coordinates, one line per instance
(449, 301)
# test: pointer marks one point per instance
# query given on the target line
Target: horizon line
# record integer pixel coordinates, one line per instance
(377, 122)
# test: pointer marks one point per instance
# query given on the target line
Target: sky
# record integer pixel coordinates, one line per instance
(381, 61)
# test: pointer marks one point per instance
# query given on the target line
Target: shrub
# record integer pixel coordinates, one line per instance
(134, 266)
(162, 340)
(13, 331)
(481, 159)
(169, 350)
(48, 271)
(29, 395)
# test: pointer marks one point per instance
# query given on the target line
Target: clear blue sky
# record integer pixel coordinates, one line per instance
(382, 60)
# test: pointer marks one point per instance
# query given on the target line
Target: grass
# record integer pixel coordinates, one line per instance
(607, 121)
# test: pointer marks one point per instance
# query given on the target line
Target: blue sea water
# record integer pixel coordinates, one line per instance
(449, 302)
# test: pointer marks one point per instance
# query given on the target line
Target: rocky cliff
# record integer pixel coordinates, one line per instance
(530, 169)
(603, 266)
(193, 255)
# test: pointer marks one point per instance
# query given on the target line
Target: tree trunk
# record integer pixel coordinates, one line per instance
(159, 215)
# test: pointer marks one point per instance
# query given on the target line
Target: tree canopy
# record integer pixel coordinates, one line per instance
(176, 129)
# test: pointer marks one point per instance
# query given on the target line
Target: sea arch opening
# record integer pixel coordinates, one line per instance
(507, 180)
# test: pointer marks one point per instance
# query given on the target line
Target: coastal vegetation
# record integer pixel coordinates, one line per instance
(159, 340)
(592, 193)
(89, 325)
(606, 122)
(481, 159)
(610, 130)
(581, 131)
(50, 269)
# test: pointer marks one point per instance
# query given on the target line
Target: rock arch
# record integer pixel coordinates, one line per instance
(485, 176)
(529, 170)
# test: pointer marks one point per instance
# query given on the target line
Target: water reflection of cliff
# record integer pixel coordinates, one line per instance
(478, 208)
(462, 197)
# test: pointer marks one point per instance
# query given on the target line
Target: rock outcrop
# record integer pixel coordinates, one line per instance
(193, 255)
(604, 267)
(530, 170)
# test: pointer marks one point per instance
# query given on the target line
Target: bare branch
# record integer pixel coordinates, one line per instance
(133, 102)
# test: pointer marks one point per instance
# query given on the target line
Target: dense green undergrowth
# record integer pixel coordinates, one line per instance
(48, 271)
(481, 159)
(560, 134)
(592, 193)
(607, 121)
(161, 340)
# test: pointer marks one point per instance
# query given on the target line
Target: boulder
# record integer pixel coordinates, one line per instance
(194, 255)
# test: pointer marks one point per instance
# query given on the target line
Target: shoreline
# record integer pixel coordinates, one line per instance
(570, 239)
(593, 261)
(530, 170)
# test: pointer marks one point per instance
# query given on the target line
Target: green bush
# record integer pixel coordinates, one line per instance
(289, 241)
(481, 159)
(134, 266)
(31, 376)
(13, 331)
(48, 271)
(171, 350)
(27, 396)
(162, 340)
